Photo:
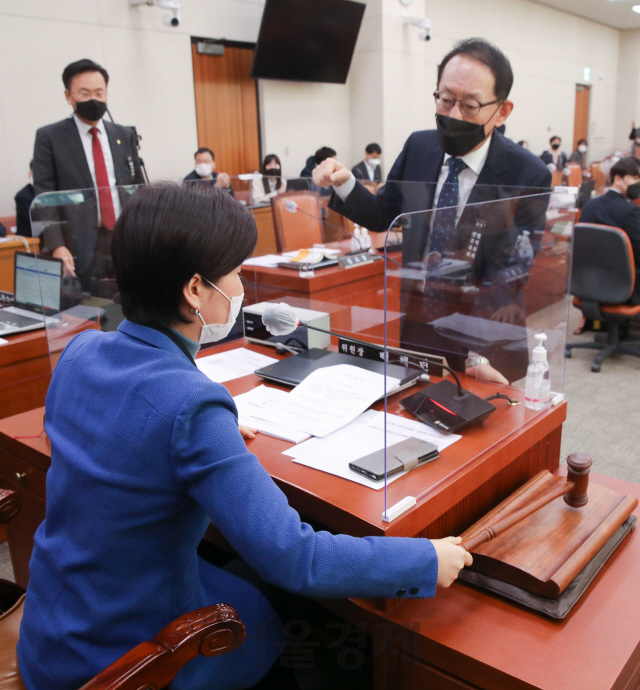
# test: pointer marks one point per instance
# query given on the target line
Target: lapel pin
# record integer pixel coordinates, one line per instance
(117, 141)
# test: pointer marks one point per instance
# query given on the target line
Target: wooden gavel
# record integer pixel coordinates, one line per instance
(574, 491)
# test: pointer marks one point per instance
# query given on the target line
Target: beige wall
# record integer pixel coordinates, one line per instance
(628, 94)
(387, 96)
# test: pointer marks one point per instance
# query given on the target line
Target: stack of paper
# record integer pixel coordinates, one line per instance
(251, 408)
(233, 364)
(267, 261)
(329, 398)
(364, 435)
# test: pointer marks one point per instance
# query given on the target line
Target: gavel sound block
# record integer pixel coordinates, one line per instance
(544, 552)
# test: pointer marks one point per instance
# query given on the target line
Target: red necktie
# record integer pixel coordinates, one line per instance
(107, 211)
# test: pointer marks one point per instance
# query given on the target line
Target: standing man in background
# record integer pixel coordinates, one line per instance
(369, 168)
(85, 152)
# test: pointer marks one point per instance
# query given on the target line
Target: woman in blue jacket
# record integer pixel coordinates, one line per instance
(146, 451)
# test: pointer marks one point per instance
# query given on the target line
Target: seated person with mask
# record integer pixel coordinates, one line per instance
(474, 163)
(554, 159)
(615, 208)
(205, 170)
(271, 182)
(369, 168)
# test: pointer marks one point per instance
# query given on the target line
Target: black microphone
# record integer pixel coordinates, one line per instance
(443, 406)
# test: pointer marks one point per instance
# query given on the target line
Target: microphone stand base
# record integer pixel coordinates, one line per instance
(440, 407)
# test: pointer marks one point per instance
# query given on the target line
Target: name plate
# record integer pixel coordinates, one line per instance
(356, 260)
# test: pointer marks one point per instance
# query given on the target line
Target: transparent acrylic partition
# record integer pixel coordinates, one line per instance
(466, 294)
(354, 278)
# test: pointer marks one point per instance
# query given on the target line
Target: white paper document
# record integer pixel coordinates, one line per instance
(266, 261)
(226, 366)
(251, 407)
(363, 436)
(329, 398)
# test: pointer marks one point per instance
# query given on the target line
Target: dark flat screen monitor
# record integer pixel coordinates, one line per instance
(307, 40)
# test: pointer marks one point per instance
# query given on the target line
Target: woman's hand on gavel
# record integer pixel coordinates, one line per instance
(452, 558)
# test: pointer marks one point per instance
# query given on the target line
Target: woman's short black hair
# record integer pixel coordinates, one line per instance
(79, 67)
(625, 166)
(489, 55)
(167, 233)
(555, 136)
(373, 148)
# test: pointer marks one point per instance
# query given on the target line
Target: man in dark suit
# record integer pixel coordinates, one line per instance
(205, 170)
(23, 201)
(84, 152)
(616, 209)
(462, 163)
(369, 168)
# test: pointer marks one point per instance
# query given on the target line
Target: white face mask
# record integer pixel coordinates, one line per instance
(204, 169)
(375, 162)
(582, 148)
(213, 332)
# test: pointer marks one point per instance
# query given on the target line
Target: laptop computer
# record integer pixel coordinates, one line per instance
(37, 293)
(292, 370)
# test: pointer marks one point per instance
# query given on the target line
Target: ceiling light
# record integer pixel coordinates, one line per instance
(636, 8)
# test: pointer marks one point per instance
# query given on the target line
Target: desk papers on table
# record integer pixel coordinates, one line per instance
(329, 398)
(225, 366)
(364, 435)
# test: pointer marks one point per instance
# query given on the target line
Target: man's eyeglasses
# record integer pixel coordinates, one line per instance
(468, 106)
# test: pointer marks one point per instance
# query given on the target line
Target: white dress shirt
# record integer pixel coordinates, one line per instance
(87, 143)
(467, 178)
(371, 171)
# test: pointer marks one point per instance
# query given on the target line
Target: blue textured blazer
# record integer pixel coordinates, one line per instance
(145, 451)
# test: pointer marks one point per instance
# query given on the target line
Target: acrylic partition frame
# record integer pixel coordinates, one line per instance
(479, 281)
(350, 296)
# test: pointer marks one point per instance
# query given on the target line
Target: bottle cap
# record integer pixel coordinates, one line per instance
(539, 351)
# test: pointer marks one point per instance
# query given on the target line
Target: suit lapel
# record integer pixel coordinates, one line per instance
(76, 150)
(120, 167)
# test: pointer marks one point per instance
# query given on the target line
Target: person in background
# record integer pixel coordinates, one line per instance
(635, 140)
(615, 208)
(524, 144)
(271, 183)
(555, 159)
(205, 166)
(85, 152)
(23, 201)
(369, 168)
(580, 154)
(313, 161)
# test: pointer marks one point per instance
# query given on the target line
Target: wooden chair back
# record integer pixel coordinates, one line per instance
(299, 229)
(598, 176)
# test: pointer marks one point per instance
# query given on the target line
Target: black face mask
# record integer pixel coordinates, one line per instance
(458, 137)
(555, 147)
(633, 191)
(91, 110)
(274, 172)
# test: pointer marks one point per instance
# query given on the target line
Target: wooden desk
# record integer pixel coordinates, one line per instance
(7, 250)
(466, 640)
(475, 473)
(266, 230)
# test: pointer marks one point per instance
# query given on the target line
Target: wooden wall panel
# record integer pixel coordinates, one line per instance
(227, 109)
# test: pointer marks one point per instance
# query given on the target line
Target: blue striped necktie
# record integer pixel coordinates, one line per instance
(444, 223)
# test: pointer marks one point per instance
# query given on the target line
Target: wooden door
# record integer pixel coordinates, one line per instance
(581, 123)
(227, 108)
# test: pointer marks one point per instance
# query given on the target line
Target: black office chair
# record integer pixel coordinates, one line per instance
(603, 276)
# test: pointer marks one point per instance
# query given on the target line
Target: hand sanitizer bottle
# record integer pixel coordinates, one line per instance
(525, 250)
(538, 383)
(366, 238)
